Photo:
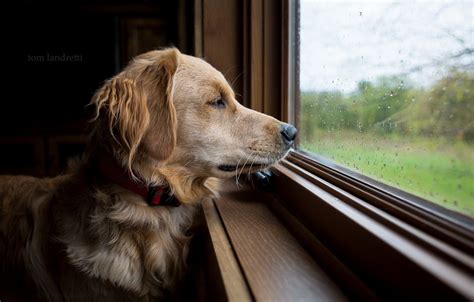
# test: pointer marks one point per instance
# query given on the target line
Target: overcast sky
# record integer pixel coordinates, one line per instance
(344, 42)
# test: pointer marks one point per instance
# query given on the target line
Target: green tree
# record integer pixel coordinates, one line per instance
(446, 110)
(377, 102)
(390, 105)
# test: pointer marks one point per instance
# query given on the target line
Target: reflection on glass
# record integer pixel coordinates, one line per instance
(387, 89)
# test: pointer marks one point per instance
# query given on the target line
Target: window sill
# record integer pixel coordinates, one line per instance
(310, 239)
(393, 257)
(257, 257)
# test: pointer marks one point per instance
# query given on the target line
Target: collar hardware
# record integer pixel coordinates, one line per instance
(153, 195)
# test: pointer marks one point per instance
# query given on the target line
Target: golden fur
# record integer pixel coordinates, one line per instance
(78, 237)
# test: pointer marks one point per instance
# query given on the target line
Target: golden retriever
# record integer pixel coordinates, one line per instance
(168, 122)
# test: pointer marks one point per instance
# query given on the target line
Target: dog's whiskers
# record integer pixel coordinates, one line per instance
(236, 175)
(243, 166)
(248, 172)
(236, 78)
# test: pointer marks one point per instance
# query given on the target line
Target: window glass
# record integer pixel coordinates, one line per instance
(387, 89)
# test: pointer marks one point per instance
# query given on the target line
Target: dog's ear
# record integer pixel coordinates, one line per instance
(160, 139)
(137, 105)
(122, 105)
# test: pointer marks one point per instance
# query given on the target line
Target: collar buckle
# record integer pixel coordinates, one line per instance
(161, 196)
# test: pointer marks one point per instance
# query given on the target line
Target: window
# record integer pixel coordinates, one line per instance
(370, 240)
(386, 90)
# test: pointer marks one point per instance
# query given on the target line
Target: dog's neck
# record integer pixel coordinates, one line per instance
(154, 195)
(175, 179)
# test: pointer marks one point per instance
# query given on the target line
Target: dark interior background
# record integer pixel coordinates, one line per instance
(58, 55)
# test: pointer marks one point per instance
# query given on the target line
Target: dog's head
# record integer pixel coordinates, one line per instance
(169, 109)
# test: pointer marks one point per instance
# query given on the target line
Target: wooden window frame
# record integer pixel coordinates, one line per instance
(374, 241)
(431, 228)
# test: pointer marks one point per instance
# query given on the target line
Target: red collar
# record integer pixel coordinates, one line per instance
(153, 195)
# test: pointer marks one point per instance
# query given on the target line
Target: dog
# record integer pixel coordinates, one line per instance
(115, 226)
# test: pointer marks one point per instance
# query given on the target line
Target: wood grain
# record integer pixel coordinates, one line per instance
(198, 28)
(234, 283)
(263, 55)
(271, 58)
(222, 40)
(256, 55)
(277, 268)
(349, 282)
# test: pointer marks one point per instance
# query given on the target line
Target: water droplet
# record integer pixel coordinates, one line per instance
(412, 99)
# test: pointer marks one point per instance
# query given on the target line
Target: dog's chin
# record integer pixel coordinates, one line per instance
(225, 170)
(230, 170)
(247, 167)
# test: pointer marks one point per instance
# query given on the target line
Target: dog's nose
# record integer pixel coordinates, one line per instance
(289, 133)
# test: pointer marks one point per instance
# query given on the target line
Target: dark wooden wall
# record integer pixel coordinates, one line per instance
(58, 54)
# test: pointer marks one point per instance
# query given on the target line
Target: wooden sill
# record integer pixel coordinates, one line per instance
(311, 240)
(258, 258)
(396, 260)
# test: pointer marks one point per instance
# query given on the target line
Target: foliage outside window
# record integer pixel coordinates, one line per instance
(387, 89)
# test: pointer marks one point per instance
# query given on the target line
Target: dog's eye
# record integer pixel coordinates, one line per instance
(218, 103)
